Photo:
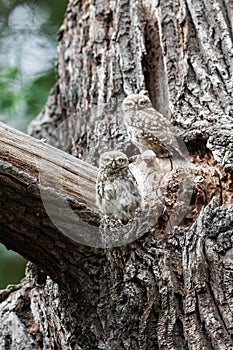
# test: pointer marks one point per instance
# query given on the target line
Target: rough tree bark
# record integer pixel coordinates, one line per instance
(167, 289)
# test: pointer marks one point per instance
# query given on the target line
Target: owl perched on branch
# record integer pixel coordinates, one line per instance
(117, 194)
(148, 129)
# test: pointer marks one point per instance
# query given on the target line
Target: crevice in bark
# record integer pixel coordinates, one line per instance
(227, 11)
(143, 295)
(24, 313)
(216, 304)
(153, 67)
(202, 334)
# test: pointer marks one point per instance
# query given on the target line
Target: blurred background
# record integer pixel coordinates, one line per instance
(27, 57)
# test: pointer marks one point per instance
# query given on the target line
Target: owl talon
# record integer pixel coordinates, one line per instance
(138, 212)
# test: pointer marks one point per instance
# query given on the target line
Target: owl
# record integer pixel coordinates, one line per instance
(148, 129)
(117, 194)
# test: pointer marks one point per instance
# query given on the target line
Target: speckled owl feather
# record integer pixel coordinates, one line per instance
(148, 129)
(117, 194)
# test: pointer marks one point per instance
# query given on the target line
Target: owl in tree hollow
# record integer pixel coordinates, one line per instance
(148, 129)
(117, 194)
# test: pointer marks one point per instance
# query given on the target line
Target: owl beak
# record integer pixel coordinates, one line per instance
(113, 165)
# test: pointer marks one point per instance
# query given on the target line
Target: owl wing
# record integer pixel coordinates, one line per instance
(153, 131)
(134, 187)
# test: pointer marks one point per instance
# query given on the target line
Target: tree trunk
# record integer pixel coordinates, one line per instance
(170, 287)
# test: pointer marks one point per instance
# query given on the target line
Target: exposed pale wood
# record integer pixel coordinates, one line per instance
(26, 222)
(47, 166)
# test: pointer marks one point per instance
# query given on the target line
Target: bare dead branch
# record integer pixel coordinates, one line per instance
(37, 180)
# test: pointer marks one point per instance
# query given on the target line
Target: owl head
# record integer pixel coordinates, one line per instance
(136, 102)
(113, 160)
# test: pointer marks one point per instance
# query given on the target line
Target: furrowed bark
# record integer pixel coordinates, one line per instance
(167, 289)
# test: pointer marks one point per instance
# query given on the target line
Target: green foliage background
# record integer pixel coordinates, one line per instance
(23, 94)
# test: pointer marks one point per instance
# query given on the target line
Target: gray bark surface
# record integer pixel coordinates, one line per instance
(167, 289)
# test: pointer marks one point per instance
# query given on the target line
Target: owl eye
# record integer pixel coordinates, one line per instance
(142, 103)
(120, 160)
(130, 104)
